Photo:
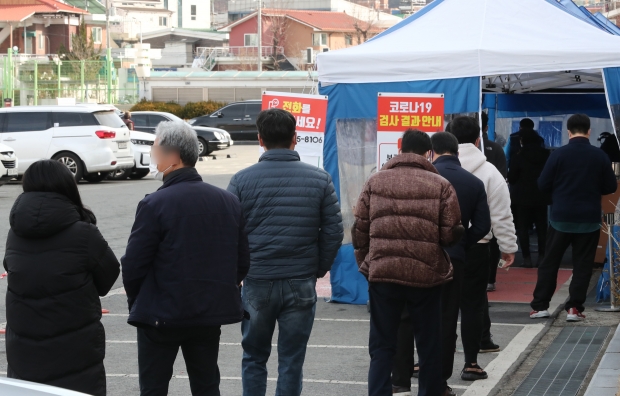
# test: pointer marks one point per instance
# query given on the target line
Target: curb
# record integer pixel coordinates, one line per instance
(605, 379)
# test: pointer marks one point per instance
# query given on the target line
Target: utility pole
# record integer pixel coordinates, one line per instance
(107, 24)
(260, 35)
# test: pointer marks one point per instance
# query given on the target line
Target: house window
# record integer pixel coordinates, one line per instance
(41, 42)
(348, 39)
(163, 21)
(193, 12)
(250, 40)
(96, 35)
(319, 39)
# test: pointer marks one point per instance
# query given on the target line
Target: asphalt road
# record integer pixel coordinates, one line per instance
(337, 359)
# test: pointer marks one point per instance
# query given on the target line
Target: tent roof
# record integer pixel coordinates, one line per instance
(467, 38)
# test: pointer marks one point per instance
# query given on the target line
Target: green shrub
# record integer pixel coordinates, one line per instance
(197, 109)
(190, 110)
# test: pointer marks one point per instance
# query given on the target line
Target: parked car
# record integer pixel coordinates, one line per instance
(91, 140)
(8, 164)
(141, 143)
(238, 118)
(15, 387)
(209, 139)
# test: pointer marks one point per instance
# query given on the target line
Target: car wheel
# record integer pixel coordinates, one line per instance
(73, 163)
(121, 174)
(203, 147)
(139, 174)
(95, 177)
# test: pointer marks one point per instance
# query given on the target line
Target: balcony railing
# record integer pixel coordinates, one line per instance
(239, 51)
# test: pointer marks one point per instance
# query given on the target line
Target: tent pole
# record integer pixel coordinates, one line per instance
(480, 115)
(611, 113)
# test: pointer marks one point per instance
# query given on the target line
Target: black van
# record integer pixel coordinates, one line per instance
(238, 119)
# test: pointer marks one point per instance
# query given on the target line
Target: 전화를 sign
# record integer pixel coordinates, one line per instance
(397, 112)
(310, 112)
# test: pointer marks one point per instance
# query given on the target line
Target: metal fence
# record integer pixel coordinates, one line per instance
(40, 80)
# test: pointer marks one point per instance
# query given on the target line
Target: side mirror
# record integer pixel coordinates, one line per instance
(220, 115)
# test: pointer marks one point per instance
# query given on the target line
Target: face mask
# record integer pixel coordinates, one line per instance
(155, 172)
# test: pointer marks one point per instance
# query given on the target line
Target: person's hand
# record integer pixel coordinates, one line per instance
(509, 258)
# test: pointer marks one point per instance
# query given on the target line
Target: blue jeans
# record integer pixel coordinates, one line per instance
(290, 302)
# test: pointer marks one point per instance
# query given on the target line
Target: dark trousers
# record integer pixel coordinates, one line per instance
(404, 360)
(387, 301)
(158, 349)
(584, 250)
(529, 215)
(495, 255)
(473, 300)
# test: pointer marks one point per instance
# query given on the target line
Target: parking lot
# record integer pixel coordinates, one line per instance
(337, 359)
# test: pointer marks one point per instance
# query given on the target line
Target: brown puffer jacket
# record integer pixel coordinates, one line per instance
(403, 217)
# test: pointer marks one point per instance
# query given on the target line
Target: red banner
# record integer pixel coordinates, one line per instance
(310, 111)
(398, 113)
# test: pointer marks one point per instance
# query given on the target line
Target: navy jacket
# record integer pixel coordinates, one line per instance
(475, 215)
(293, 217)
(187, 254)
(576, 176)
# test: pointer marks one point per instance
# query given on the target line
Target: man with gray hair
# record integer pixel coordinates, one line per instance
(187, 254)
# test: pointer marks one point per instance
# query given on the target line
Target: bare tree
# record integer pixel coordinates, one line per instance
(278, 24)
(364, 29)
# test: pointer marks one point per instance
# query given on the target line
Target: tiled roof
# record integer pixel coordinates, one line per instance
(328, 21)
(14, 12)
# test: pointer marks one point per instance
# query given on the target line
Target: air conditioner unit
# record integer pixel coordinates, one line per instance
(309, 55)
(324, 49)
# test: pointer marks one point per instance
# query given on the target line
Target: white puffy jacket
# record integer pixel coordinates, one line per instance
(498, 196)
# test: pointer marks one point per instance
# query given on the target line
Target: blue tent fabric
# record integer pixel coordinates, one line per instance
(612, 84)
(603, 290)
(350, 101)
(544, 105)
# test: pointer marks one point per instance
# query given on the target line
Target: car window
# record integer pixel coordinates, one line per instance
(233, 111)
(73, 119)
(155, 119)
(109, 119)
(139, 120)
(253, 109)
(27, 122)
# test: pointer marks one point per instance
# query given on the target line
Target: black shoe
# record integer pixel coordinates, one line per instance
(416, 371)
(400, 389)
(448, 392)
(488, 346)
(539, 260)
(473, 372)
(527, 262)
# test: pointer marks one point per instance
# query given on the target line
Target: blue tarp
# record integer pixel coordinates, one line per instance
(544, 105)
(351, 101)
(603, 287)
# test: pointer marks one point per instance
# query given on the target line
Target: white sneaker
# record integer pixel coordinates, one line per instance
(574, 316)
(539, 314)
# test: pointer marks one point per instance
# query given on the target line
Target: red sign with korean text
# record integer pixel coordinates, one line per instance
(400, 112)
(309, 110)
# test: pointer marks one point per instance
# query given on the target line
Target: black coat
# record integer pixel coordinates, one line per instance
(58, 266)
(495, 155)
(475, 214)
(187, 253)
(525, 169)
(576, 176)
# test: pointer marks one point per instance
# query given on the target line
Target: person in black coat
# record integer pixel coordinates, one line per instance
(530, 203)
(186, 257)
(58, 265)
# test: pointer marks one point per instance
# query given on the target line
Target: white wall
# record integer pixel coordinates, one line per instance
(203, 13)
(149, 19)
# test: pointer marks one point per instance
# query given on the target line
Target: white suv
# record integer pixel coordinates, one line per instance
(91, 140)
(8, 164)
(141, 143)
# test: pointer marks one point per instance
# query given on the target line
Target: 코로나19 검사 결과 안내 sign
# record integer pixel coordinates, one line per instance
(310, 112)
(397, 112)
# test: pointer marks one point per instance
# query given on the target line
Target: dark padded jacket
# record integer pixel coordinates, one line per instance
(293, 216)
(187, 254)
(57, 266)
(475, 214)
(527, 165)
(576, 176)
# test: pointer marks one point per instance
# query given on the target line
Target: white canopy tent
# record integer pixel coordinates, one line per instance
(506, 39)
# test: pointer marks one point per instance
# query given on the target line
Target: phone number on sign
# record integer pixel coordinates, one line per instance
(309, 139)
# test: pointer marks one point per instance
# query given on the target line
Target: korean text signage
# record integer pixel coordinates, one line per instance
(310, 111)
(397, 112)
